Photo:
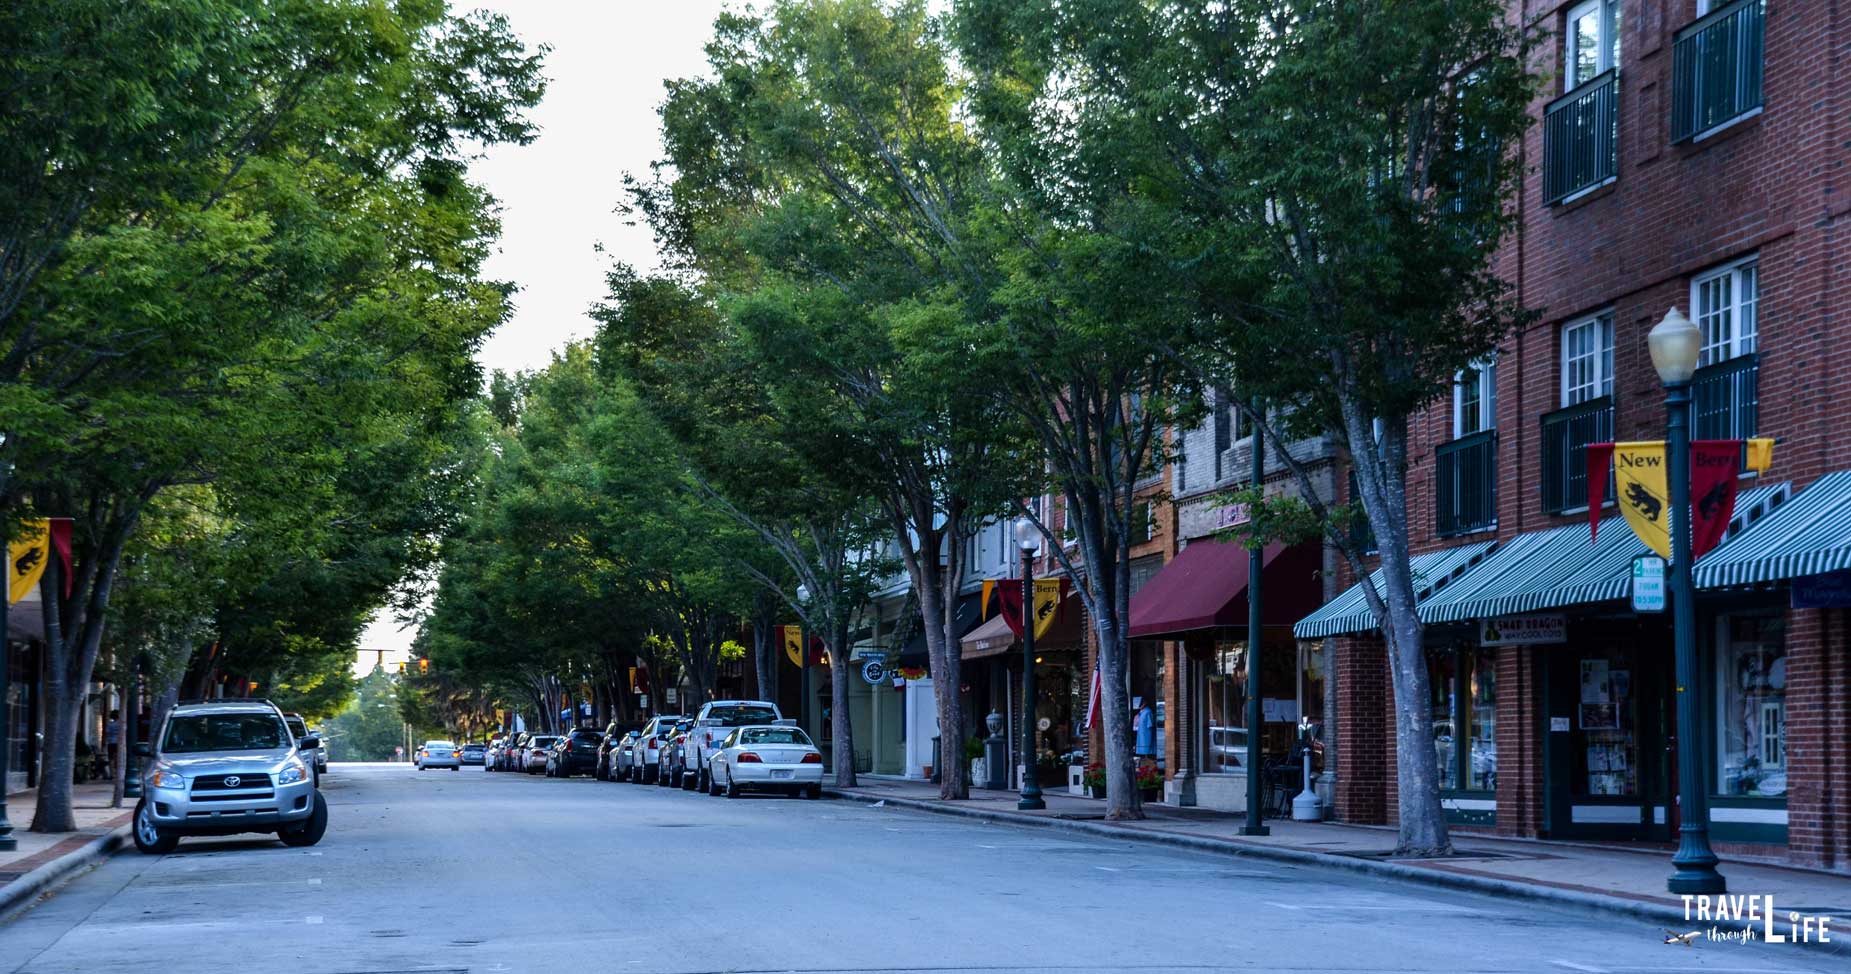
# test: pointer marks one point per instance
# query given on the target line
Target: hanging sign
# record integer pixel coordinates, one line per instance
(28, 555)
(1522, 630)
(1048, 595)
(873, 671)
(1648, 584)
(1640, 476)
(1831, 590)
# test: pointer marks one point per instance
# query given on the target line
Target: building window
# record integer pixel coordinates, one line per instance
(1751, 719)
(1587, 359)
(1716, 68)
(1593, 39)
(1475, 399)
(1725, 303)
(1462, 697)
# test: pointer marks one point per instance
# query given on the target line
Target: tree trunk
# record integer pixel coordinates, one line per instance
(1382, 479)
(843, 734)
(71, 646)
(764, 655)
(939, 612)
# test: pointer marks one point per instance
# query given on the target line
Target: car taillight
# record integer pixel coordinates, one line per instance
(747, 757)
(652, 742)
(710, 739)
(812, 758)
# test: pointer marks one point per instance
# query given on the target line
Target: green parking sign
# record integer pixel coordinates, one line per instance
(1648, 584)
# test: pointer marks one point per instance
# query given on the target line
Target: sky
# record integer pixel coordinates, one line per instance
(558, 195)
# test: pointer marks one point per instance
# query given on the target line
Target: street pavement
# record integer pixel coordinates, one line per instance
(465, 871)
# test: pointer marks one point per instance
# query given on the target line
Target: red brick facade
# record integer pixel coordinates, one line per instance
(1770, 186)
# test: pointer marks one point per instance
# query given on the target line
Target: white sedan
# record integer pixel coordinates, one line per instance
(767, 758)
(438, 754)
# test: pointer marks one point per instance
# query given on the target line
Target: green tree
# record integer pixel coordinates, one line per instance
(1333, 176)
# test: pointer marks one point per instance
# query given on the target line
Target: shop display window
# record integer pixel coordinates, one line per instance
(1751, 719)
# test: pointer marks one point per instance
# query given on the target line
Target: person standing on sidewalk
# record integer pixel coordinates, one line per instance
(112, 739)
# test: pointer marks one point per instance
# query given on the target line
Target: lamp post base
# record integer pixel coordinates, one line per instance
(1256, 830)
(1030, 803)
(1696, 868)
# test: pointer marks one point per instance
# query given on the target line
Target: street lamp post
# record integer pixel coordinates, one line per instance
(803, 667)
(1256, 565)
(1028, 538)
(1675, 346)
(7, 842)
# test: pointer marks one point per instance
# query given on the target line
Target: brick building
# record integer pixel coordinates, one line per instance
(1688, 154)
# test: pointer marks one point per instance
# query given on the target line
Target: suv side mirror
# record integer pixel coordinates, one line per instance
(308, 744)
(143, 749)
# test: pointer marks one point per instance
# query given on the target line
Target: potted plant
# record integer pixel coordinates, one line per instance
(1094, 777)
(973, 761)
(1149, 781)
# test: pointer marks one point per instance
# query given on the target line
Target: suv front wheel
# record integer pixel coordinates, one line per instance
(311, 830)
(150, 838)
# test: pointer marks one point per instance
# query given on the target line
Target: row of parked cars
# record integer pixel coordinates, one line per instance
(729, 747)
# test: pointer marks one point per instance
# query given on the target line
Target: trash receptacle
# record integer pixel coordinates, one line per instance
(938, 773)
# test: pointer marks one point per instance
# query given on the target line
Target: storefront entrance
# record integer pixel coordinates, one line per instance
(1610, 709)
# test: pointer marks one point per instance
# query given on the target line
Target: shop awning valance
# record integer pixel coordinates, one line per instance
(1559, 567)
(1808, 535)
(1350, 612)
(1205, 587)
(994, 637)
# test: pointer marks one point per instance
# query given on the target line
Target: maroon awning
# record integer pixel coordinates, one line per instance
(1205, 587)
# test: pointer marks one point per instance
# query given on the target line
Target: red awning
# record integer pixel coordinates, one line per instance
(1205, 587)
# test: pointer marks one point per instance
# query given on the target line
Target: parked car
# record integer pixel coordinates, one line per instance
(438, 754)
(668, 754)
(474, 752)
(512, 757)
(616, 739)
(715, 720)
(643, 763)
(533, 753)
(493, 753)
(574, 753)
(223, 768)
(300, 730)
(766, 759)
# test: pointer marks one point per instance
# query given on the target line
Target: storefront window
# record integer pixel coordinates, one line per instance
(1225, 707)
(1462, 699)
(1311, 696)
(1605, 744)
(1752, 706)
(1442, 678)
(1482, 773)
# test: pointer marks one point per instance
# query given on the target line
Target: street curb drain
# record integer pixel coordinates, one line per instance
(17, 894)
(1592, 903)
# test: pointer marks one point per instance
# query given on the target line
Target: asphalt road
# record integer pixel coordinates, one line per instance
(467, 871)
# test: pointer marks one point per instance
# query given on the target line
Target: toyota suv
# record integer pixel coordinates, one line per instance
(225, 767)
(711, 725)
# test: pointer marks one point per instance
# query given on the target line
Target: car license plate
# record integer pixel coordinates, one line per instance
(780, 774)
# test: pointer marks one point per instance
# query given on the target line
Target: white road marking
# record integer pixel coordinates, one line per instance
(1284, 906)
(313, 920)
(1110, 869)
(1571, 965)
(314, 882)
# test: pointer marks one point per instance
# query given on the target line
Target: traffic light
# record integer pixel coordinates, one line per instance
(424, 666)
(401, 667)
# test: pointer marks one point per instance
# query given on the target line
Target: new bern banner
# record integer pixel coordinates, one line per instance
(791, 637)
(1640, 478)
(1048, 594)
(28, 555)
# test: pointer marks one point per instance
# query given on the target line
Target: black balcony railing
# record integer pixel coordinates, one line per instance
(1566, 434)
(1716, 68)
(1725, 399)
(1466, 470)
(1581, 138)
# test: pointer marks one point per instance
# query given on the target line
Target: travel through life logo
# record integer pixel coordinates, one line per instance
(1749, 917)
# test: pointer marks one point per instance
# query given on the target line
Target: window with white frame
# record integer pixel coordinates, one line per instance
(1592, 41)
(1475, 399)
(1724, 301)
(1587, 359)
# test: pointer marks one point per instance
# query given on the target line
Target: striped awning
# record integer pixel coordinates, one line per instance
(1350, 611)
(1561, 567)
(1808, 535)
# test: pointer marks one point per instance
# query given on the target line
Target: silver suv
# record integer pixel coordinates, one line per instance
(225, 767)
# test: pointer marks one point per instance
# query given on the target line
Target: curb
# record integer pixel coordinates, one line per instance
(1593, 903)
(21, 891)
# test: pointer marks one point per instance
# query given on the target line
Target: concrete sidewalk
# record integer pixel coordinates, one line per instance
(1604, 878)
(41, 859)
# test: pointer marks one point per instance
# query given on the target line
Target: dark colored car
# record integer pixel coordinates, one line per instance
(473, 753)
(574, 753)
(669, 767)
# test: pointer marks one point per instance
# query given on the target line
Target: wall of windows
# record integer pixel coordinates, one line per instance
(1587, 359)
(1462, 697)
(1724, 301)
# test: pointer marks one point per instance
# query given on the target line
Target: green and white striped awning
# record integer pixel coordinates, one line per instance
(1808, 535)
(1350, 612)
(1561, 567)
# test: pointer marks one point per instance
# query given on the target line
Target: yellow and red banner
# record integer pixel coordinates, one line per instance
(1048, 595)
(1640, 477)
(27, 556)
(791, 638)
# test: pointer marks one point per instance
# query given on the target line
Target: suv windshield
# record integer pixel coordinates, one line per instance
(224, 732)
(587, 737)
(741, 716)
